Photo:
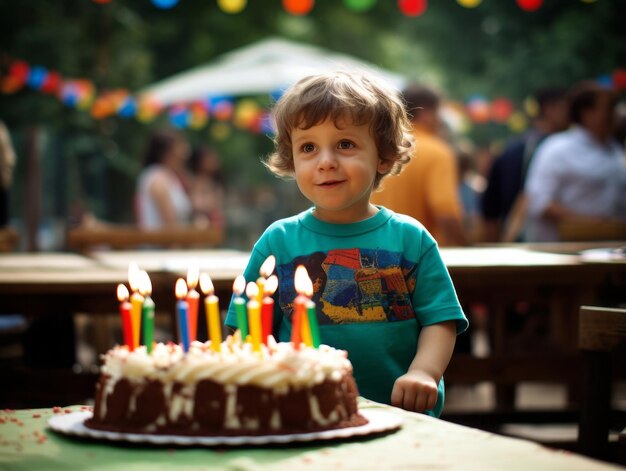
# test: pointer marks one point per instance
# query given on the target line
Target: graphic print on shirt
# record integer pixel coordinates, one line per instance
(353, 285)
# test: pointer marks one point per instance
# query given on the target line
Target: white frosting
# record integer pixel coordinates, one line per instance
(277, 366)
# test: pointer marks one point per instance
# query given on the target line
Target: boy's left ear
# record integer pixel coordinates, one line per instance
(384, 166)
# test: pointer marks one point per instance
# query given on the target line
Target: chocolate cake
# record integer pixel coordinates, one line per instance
(236, 391)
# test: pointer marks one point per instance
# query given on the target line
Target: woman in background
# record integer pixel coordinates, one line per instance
(162, 197)
(207, 188)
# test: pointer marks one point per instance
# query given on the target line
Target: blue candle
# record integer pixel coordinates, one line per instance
(182, 308)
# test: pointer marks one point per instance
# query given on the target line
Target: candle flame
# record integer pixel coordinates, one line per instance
(122, 292)
(181, 289)
(271, 285)
(133, 276)
(206, 285)
(308, 290)
(252, 290)
(193, 272)
(302, 280)
(145, 285)
(268, 266)
(239, 285)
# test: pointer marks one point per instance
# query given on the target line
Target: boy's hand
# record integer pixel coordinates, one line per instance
(415, 391)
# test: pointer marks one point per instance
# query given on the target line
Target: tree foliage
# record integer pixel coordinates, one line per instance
(495, 49)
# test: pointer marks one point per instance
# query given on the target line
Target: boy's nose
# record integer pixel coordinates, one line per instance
(327, 160)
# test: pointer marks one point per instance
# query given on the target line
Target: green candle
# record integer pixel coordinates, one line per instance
(147, 314)
(312, 315)
(242, 321)
(239, 287)
(147, 311)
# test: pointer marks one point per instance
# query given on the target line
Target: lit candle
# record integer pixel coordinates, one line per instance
(299, 306)
(212, 312)
(313, 325)
(136, 301)
(254, 315)
(182, 307)
(145, 287)
(240, 306)
(193, 299)
(267, 308)
(265, 271)
(306, 324)
(127, 328)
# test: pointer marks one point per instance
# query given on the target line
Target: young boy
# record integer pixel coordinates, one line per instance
(380, 284)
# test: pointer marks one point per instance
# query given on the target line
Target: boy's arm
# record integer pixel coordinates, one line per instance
(416, 390)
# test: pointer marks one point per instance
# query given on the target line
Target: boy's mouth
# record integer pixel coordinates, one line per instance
(330, 183)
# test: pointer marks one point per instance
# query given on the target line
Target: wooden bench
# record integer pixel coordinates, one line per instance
(602, 332)
(85, 239)
(8, 239)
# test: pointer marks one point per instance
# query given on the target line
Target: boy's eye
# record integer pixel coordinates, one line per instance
(345, 145)
(308, 148)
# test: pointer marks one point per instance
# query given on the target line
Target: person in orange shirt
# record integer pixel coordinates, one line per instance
(427, 189)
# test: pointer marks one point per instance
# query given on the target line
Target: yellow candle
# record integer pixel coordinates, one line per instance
(212, 312)
(254, 316)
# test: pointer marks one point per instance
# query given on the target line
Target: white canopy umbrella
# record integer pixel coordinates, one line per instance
(263, 67)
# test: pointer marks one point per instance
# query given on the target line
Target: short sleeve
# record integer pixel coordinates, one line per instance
(434, 298)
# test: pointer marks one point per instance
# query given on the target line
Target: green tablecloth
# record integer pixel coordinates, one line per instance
(423, 443)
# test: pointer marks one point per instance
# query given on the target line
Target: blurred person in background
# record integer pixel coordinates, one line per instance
(162, 199)
(7, 163)
(427, 189)
(580, 173)
(508, 171)
(619, 130)
(207, 188)
(471, 187)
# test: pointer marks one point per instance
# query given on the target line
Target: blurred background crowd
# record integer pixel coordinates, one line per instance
(155, 114)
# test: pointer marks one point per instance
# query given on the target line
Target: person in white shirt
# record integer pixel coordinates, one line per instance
(578, 173)
(162, 198)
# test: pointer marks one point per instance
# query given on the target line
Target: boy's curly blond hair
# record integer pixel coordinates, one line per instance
(342, 96)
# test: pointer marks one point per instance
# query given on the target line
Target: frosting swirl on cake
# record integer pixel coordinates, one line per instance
(277, 366)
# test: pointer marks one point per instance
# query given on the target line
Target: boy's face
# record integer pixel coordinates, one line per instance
(335, 168)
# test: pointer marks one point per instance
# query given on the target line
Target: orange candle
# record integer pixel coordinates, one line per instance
(127, 328)
(254, 315)
(299, 305)
(267, 308)
(136, 301)
(193, 299)
(212, 312)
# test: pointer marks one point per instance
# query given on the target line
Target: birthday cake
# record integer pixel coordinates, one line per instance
(236, 391)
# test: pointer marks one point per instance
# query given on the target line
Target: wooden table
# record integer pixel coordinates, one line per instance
(492, 276)
(554, 277)
(422, 443)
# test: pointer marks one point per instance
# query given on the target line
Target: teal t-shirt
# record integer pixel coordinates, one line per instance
(376, 283)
